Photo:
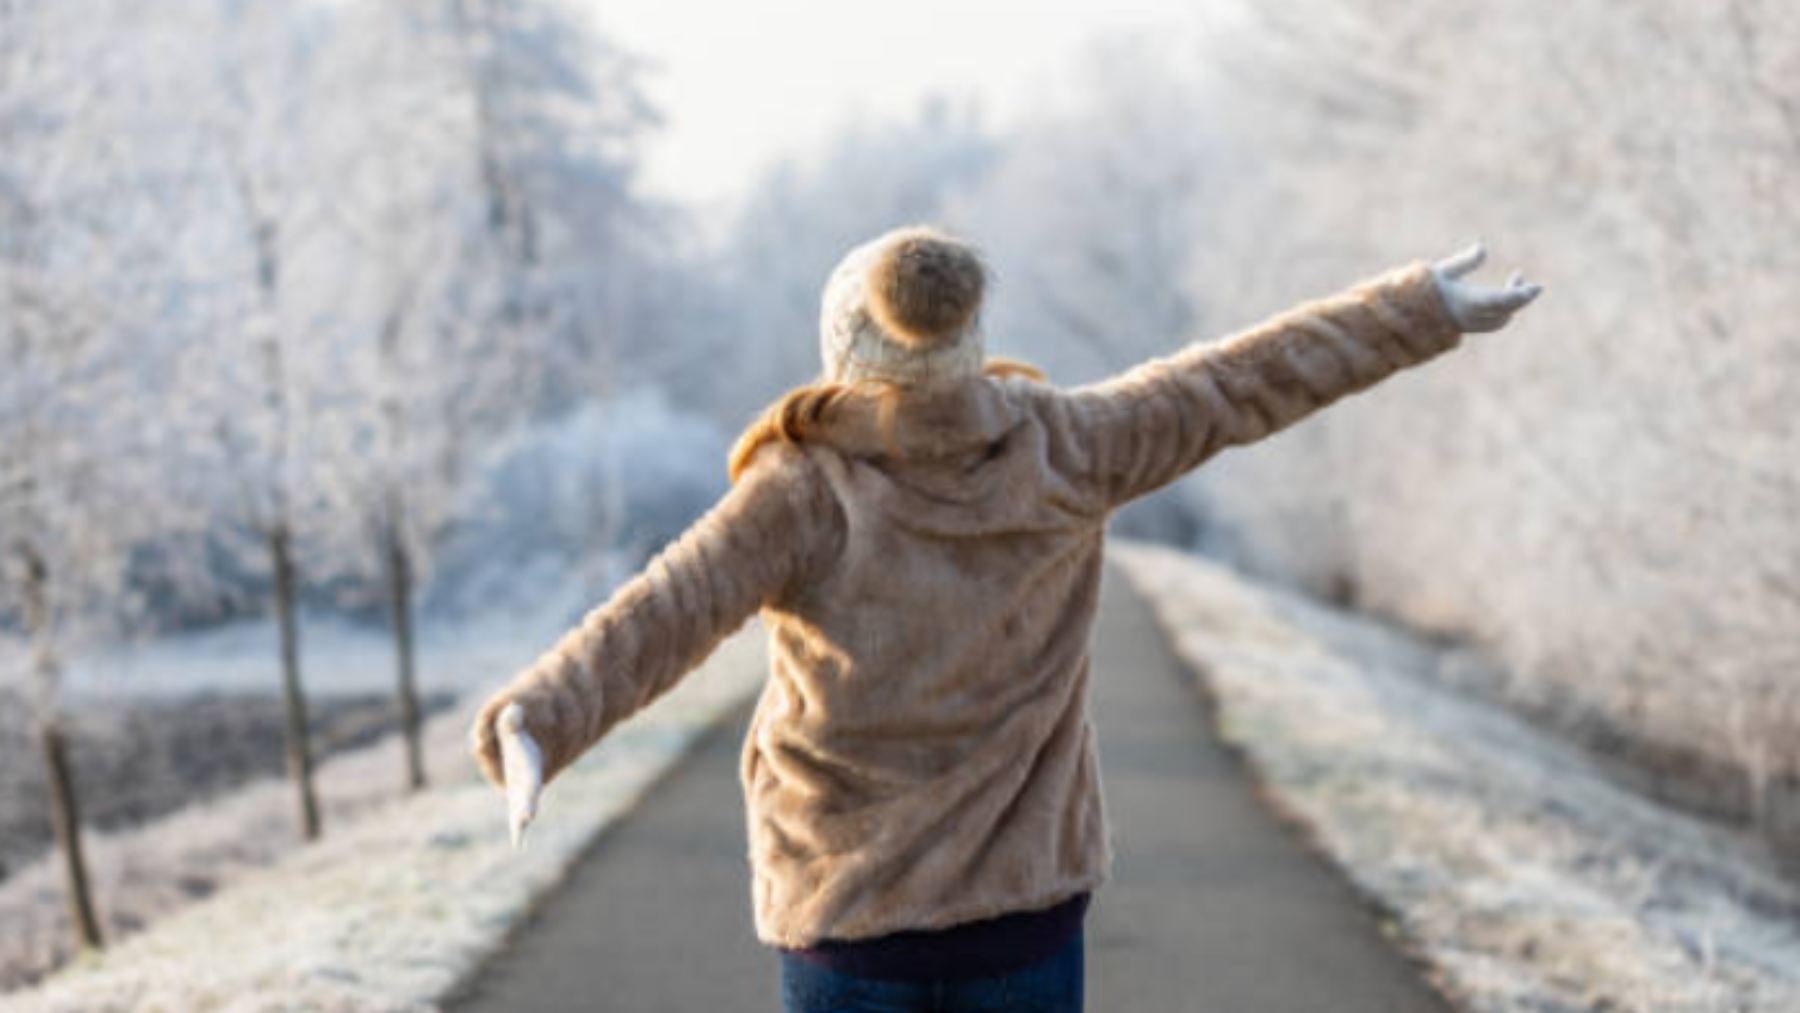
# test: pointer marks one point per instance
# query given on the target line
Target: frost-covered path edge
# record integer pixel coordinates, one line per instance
(1522, 877)
(391, 910)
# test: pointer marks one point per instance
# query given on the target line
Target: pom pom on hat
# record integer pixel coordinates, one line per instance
(904, 308)
(924, 286)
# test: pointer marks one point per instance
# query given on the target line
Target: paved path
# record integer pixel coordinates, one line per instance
(1213, 907)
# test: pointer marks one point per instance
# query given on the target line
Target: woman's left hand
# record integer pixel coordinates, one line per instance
(1480, 308)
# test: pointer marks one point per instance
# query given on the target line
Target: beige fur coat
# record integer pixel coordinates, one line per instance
(921, 754)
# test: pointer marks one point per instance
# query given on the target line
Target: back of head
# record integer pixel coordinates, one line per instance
(904, 308)
(901, 315)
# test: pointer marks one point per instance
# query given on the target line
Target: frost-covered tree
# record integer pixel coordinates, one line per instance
(255, 373)
(61, 563)
(64, 521)
(489, 229)
(407, 310)
(560, 114)
(78, 454)
(1606, 498)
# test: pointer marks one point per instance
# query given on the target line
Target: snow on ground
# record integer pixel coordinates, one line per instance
(1519, 873)
(143, 872)
(404, 895)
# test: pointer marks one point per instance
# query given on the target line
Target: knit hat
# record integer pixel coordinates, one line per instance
(904, 308)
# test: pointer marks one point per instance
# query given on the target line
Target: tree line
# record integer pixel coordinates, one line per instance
(272, 276)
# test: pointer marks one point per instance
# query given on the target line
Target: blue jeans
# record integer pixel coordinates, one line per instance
(1053, 985)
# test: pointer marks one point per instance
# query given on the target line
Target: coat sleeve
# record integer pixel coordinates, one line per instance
(775, 527)
(1133, 433)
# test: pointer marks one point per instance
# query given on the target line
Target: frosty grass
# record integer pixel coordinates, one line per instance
(1522, 876)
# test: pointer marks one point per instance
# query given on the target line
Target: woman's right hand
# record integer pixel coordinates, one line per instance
(511, 758)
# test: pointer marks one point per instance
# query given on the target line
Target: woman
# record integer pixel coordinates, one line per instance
(921, 531)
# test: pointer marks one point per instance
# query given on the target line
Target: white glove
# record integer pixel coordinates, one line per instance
(523, 764)
(1480, 308)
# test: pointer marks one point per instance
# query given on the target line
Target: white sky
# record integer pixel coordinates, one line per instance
(743, 82)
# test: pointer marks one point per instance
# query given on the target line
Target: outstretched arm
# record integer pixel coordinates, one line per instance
(1148, 426)
(776, 525)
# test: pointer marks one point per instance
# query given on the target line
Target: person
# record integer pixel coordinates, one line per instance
(921, 531)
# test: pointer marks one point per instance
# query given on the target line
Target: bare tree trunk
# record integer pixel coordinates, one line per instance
(66, 819)
(65, 815)
(299, 749)
(400, 590)
(392, 538)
